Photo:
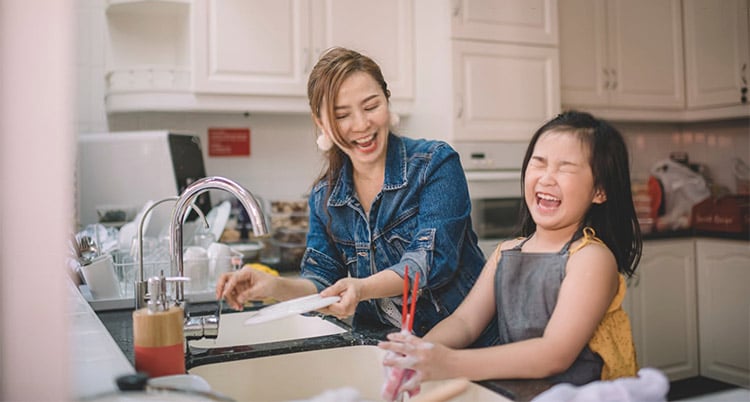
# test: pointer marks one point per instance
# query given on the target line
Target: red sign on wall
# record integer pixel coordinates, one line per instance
(228, 142)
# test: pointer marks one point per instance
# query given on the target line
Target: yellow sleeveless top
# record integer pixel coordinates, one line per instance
(613, 338)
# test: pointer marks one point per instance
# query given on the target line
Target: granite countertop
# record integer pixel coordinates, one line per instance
(119, 324)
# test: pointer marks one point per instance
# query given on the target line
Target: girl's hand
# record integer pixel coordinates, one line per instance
(350, 290)
(430, 361)
(246, 284)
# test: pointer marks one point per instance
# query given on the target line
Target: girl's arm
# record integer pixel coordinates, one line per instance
(474, 313)
(585, 294)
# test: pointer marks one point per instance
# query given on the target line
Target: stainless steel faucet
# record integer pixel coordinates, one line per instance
(251, 204)
(141, 283)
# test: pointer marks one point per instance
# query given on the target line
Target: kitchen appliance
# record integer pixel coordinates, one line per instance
(126, 169)
(493, 174)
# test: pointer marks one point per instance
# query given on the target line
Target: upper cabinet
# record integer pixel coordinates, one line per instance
(636, 59)
(530, 21)
(716, 53)
(503, 91)
(253, 55)
(621, 54)
(506, 78)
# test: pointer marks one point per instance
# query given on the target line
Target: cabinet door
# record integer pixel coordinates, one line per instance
(516, 21)
(724, 310)
(662, 303)
(583, 53)
(383, 30)
(251, 46)
(645, 53)
(716, 51)
(503, 92)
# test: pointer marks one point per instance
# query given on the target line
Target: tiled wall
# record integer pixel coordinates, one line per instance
(716, 144)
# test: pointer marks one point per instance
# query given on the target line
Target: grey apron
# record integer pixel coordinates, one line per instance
(526, 289)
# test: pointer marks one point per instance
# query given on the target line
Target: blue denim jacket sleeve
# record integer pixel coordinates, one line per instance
(318, 263)
(443, 217)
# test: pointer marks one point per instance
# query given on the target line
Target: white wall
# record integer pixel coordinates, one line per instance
(36, 135)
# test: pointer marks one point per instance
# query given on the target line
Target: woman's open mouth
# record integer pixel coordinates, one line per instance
(366, 142)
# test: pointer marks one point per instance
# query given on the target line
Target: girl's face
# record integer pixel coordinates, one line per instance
(363, 118)
(559, 184)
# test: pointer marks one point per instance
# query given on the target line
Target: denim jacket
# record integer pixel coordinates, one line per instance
(420, 218)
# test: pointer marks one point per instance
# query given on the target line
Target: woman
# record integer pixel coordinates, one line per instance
(383, 203)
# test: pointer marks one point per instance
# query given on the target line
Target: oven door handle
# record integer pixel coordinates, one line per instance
(492, 175)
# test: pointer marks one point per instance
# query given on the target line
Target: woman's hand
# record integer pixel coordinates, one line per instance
(350, 290)
(246, 284)
(430, 361)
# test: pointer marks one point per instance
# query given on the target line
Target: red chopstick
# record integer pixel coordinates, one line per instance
(405, 298)
(414, 296)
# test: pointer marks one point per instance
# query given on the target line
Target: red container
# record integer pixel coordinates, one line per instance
(729, 214)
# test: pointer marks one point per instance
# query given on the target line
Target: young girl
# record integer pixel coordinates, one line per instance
(556, 291)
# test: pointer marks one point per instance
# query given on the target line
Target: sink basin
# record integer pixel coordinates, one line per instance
(305, 375)
(234, 332)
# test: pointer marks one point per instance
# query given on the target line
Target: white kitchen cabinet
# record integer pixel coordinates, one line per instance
(147, 51)
(724, 309)
(503, 91)
(716, 53)
(516, 21)
(247, 55)
(621, 55)
(661, 303)
(258, 47)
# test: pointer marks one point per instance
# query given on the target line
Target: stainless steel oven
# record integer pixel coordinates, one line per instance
(493, 173)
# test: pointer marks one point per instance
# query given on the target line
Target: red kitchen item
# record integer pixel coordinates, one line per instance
(656, 191)
(396, 376)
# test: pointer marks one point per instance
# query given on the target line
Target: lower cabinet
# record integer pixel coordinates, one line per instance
(661, 303)
(689, 306)
(724, 309)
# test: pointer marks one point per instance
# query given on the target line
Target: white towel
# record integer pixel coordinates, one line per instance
(651, 385)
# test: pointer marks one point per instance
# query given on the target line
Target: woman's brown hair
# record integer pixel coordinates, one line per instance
(331, 70)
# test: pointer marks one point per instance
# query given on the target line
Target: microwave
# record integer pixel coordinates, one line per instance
(128, 168)
(495, 218)
(493, 176)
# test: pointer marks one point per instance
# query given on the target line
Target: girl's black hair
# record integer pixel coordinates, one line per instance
(615, 220)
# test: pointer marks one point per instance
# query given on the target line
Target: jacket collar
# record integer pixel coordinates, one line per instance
(395, 173)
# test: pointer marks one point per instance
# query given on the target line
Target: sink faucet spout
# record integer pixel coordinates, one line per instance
(251, 204)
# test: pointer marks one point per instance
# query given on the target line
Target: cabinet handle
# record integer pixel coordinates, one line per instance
(460, 102)
(614, 79)
(306, 58)
(606, 78)
(457, 8)
(743, 89)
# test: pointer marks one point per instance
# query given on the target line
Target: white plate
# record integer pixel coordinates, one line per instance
(217, 219)
(287, 308)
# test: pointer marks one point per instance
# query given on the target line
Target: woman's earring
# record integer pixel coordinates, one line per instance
(395, 120)
(324, 142)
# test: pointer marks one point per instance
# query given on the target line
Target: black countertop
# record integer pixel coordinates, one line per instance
(120, 325)
(688, 233)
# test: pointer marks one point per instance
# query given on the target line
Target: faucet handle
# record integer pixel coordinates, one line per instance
(157, 291)
(202, 324)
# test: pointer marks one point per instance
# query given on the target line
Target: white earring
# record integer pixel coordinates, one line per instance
(395, 120)
(324, 142)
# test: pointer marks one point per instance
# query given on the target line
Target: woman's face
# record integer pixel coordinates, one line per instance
(559, 183)
(362, 115)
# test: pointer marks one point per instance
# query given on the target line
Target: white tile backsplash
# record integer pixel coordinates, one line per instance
(715, 144)
(284, 159)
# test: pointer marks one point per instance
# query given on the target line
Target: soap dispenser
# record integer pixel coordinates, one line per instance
(158, 339)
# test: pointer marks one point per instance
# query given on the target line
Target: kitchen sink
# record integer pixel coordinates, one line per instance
(234, 332)
(309, 374)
